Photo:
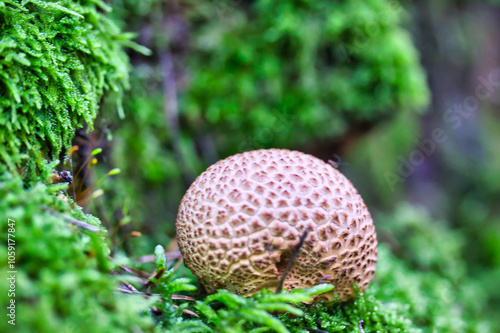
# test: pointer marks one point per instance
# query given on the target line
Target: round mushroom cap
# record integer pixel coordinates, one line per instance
(241, 222)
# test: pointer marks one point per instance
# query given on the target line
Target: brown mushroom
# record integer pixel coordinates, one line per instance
(242, 219)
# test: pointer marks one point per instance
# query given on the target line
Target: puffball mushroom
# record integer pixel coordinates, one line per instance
(242, 219)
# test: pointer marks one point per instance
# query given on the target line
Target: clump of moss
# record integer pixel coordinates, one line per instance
(58, 60)
(270, 70)
(62, 281)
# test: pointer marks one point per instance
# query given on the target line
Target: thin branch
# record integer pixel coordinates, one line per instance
(185, 298)
(291, 261)
(81, 224)
(78, 223)
(130, 287)
(360, 324)
(134, 271)
(127, 288)
(156, 276)
(187, 311)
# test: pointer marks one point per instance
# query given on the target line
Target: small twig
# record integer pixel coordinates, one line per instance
(78, 223)
(361, 330)
(134, 271)
(186, 311)
(130, 287)
(185, 298)
(127, 288)
(333, 164)
(291, 261)
(147, 258)
(87, 165)
(157, 275)
(81, 224)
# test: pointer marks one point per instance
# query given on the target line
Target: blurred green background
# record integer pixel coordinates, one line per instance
(405, 96)
(364, 83)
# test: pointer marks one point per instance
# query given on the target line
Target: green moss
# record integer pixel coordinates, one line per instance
(253, 75)
(258, 74)
(62, 281)
(58, 60)
(266, 72)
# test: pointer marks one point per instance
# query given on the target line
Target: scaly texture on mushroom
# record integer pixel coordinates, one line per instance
(241, 220)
